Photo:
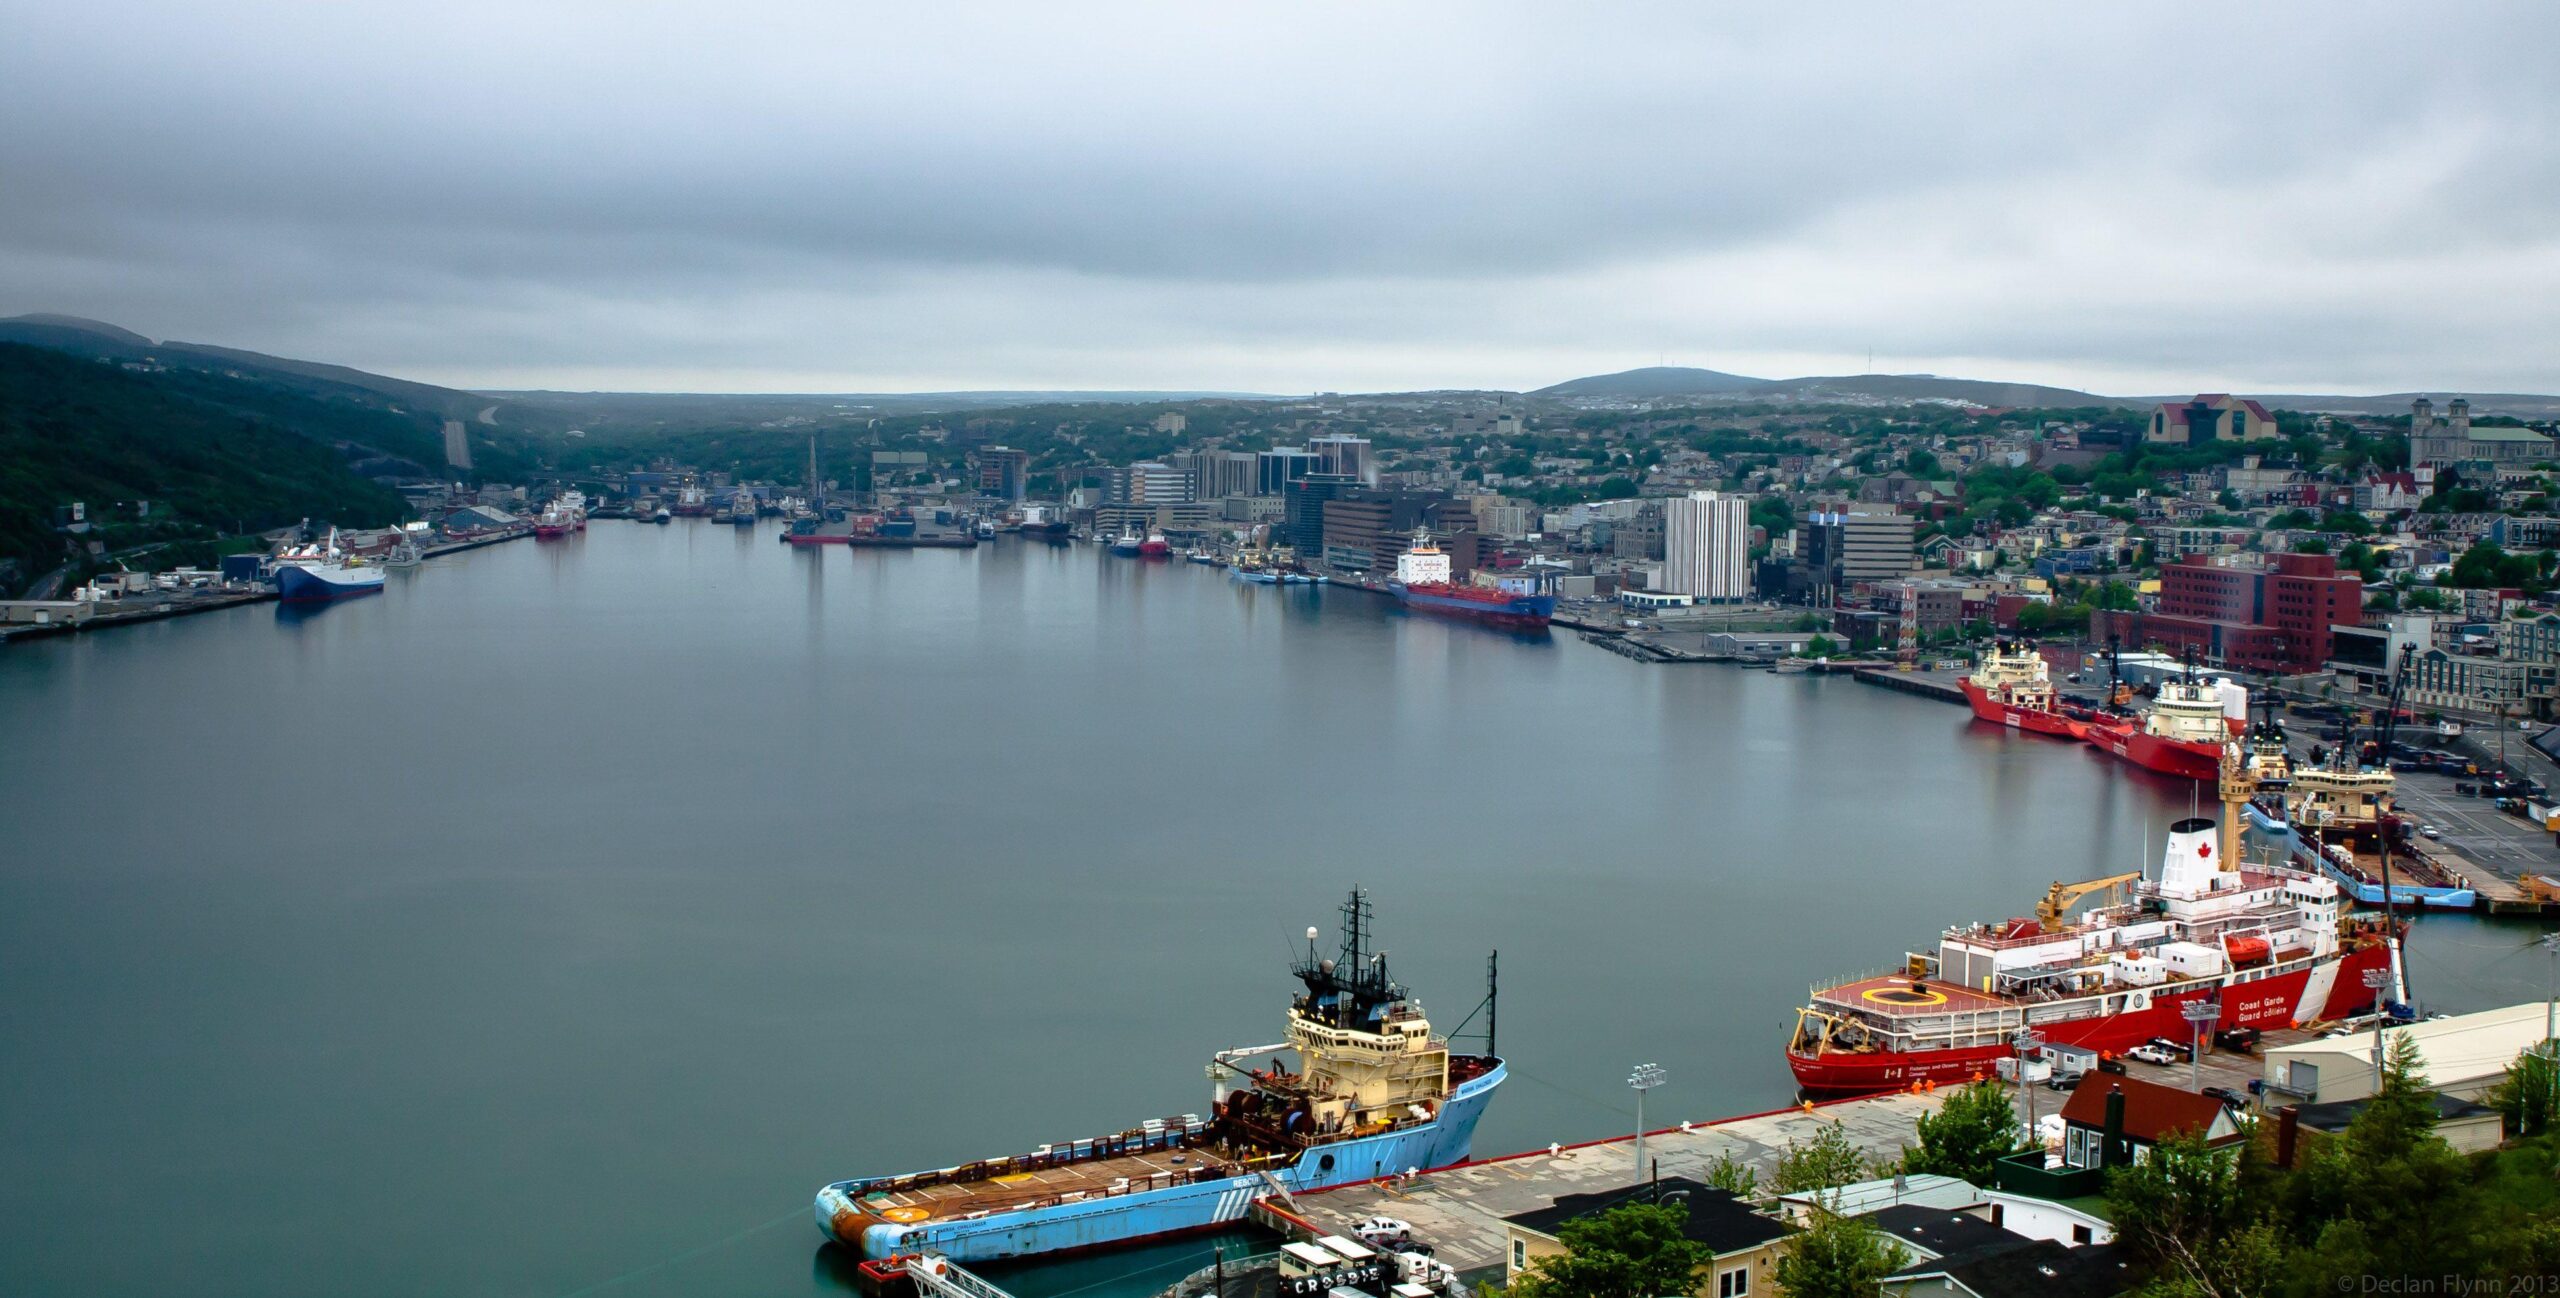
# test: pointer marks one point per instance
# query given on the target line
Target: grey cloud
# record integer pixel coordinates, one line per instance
(1062, 196)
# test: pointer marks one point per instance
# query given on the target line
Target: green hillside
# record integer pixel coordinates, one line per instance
(214, 456)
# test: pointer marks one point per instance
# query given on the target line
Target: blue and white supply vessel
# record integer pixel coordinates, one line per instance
(2337, 817)
(324, 572)
(1372, 1094)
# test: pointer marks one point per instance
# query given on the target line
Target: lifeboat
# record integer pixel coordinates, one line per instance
(2245, 948)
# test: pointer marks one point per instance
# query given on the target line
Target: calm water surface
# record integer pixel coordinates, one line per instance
(558, 921)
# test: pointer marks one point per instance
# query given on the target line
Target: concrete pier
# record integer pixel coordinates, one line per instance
(1459, 1211)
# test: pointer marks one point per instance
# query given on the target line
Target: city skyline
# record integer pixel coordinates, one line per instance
(798, 198)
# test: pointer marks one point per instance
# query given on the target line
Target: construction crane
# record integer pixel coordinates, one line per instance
(2059, 898)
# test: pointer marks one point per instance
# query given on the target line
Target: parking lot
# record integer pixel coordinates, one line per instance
(2474, 827)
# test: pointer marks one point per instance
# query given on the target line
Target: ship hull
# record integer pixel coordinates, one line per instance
(1512, 610)
(2367, 892)
(2030, 720)
(2306, 994)
(303, 585)
(2168, 756)
(1257, 578)
(1112, 1221)
(550, 531)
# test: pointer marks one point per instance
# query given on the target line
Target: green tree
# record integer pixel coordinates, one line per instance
(1821, 646)
(2311, 545)
(1635, 1250)
(1825, 1160)
(2184, 1212)
(1838, 1257)
(2529, 1096)
(1728, 1173)
(2390, 1195)
(1920, 463)
(1975, 1127)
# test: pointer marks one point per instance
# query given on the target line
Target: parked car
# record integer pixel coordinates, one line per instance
(2059, 1083)
(2231, 1099)
(2180, 1049)
(2152, 1055)
(2429, 831)
(2115, 1066)
(2242, 1039)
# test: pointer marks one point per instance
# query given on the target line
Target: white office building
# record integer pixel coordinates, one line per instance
(1706, 546)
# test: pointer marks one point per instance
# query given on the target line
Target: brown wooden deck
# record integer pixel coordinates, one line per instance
(1142, 1169)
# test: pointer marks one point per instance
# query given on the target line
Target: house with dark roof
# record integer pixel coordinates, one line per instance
(2209, 417)
(1745, 1242)
(2028, 1269)
(1927, 1234)
(2468, 1126)
(2148, 1114)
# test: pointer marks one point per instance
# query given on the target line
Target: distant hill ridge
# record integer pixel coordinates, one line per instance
(1656, 382)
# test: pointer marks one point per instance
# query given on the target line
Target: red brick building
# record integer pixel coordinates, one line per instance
(2253, 613)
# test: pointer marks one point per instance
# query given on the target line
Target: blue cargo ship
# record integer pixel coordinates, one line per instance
(1372, 1093)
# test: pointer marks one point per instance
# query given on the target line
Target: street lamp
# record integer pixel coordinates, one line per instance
(2377, 979)
(2199, 1013)
(2028, 1043)
(1643, 1079)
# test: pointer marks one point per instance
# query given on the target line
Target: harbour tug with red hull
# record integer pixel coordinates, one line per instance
(2269, 946)
(2014, 688)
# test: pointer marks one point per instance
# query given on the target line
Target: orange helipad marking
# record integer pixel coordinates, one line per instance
(1902, 996)
(903, 1216)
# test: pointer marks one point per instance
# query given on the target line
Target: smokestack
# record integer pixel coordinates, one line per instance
(2111, 1150)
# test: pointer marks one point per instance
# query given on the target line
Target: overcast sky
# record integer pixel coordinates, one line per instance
(843, 197)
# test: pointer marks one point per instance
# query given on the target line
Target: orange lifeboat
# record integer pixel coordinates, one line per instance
(2245, 948)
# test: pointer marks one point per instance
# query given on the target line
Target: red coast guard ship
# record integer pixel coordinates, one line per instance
(2184, 731)
(2270, 946)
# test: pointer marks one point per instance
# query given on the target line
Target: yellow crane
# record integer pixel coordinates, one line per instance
(2060, 897)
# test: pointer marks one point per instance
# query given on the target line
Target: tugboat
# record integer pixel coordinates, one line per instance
(2013, 687)
(2184, 731)
(2269, 946)
(1127, 544)
(1372, 1094)
(1155, 546)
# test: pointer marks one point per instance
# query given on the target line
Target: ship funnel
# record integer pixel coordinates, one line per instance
(2235, 701)
(2192, 859)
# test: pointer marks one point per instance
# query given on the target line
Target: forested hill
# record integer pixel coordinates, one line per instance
(212, 455)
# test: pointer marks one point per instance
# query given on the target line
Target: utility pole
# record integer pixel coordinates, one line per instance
(1643, 1079)
(2551, 1031)
(2377, 979)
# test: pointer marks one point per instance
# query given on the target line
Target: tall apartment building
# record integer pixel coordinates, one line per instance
(2252, 612)
(1345, 456)
(1147, 482)
(1706, 546)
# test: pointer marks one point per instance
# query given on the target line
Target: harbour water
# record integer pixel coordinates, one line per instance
(556, 922)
